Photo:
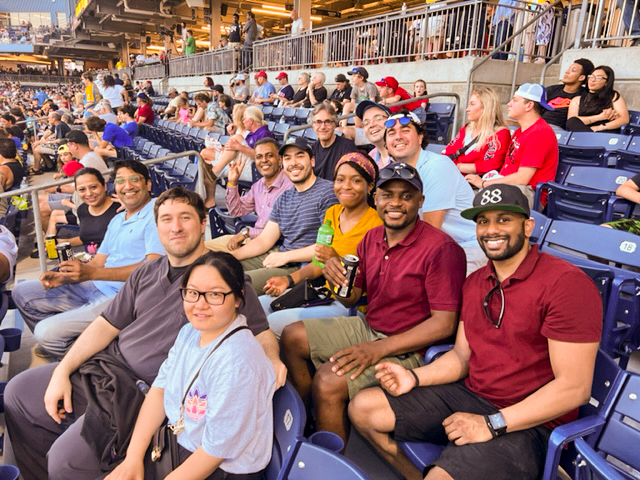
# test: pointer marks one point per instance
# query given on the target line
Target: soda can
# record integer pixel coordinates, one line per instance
(50, 245)
(64, 251)
(350, 263)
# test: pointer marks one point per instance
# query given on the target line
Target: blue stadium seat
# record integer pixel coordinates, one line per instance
(276, 114)
(289, 115)
(266, 112)
(289, 419)
(582, 156)
(562, 136)
(542, 223)
(279, 131)
(439, 121)
(176, 172)
(609, 141)
(302, 116)
(223, 139)
(633, 127)
(608, 381)
(307, 461)
(587, 195)
(609, 257)
(188, 179)
(271, 125)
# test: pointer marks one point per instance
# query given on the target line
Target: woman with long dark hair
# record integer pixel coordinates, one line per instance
(600, 108)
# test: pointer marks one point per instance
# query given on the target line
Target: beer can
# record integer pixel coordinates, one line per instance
(50, 246)
(64, 251)
(350, 263)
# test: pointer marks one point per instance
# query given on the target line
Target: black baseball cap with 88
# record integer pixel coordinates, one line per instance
(400, 171)
(498, 196)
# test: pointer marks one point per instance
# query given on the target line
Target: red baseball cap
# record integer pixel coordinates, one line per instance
(390, 82)
(261, 73)
(281, 75)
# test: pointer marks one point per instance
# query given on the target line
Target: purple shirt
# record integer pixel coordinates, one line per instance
(261, 132)
(259, 199)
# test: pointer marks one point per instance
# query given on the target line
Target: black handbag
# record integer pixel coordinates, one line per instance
(163, 450)
(303, 294)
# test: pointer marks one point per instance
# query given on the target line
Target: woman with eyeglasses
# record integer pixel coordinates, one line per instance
(482, 144)
(600, 108)
(354, 183)
(215, 387)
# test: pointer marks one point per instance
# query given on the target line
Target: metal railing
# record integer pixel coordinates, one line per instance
(16, 77)
(206, 63)
(439, 30)
(611, 22)
(34, 190)
(153, 71)
(456, 112)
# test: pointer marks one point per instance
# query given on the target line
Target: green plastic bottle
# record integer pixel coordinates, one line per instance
(325, 237)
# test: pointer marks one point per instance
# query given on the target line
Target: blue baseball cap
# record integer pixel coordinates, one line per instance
(534, 92)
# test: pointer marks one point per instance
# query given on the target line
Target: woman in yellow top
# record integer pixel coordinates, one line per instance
(354, 182)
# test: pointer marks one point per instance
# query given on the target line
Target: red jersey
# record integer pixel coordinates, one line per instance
(535, 147)
(489, 157)
(404, 95)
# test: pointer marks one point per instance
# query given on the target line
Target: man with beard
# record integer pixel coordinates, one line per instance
(296, 216)
(522, 362)
(135, 332)
(260, 198)
(412, 274)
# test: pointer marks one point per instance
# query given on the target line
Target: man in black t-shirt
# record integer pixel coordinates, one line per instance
(316, 92)
(559, 96)
(234, 31)
(342, 93)
(329, 147)
(48, 144)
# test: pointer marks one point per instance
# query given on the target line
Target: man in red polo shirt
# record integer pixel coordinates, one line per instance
(533, 154)
(412, 274)
(391, 92)
(522, 363)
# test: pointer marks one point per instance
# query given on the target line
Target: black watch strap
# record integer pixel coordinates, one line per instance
(291, 282)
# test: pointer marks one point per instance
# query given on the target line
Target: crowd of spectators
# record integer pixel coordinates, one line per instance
(444, 256)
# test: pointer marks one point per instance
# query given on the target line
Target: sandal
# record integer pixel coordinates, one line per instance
(32, 171)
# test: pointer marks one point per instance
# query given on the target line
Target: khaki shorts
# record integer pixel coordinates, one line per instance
(328, 336)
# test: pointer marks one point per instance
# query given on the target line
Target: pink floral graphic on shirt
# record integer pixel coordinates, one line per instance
(196, 405)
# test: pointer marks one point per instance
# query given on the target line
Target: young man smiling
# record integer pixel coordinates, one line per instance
(135, 332)
(260, 198)
(296, 216)
(412, 274)
(522, 363)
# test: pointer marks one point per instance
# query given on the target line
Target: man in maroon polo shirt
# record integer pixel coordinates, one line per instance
(522, 363)
(412, 274)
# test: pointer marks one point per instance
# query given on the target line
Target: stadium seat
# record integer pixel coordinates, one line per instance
(306, 461)
(562, 136)
(633, 127)
(610, 257)
(188, 179)
(438, 121)
(587, 195)
(613, 432)
(302, 116)
(271, 125)
(609, 141)
(542, 223)
(289, 419)
(279, 131)
(569, 156)
(289, 115)
(266, 112)
(276, 114)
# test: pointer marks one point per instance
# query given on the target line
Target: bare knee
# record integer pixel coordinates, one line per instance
(293, 340)
(328, 385)
(370, 408)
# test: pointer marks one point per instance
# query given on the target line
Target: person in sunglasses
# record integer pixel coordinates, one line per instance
(412, 274)
(522, 362)
(59, 305)
(445, 190)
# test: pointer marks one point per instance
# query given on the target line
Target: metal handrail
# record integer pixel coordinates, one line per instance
(396, 104)
(33, 190)
(505, 42)
(553, 60)
(34, 120)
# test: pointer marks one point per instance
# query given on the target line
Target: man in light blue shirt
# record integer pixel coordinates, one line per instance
(60, 305)
(445, 190)
(264, 89)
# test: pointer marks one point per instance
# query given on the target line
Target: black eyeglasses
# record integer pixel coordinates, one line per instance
(487, 305)
(404, 121)
(190, 295)
(400, 170)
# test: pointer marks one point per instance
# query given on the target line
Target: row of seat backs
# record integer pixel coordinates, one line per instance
(587, 194)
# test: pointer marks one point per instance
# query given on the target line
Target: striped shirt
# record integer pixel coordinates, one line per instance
(300, 214)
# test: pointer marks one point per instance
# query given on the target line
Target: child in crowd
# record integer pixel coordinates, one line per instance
(68, 165)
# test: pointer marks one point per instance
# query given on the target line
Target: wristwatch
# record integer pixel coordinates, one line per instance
(245, 232)
(497, 424)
